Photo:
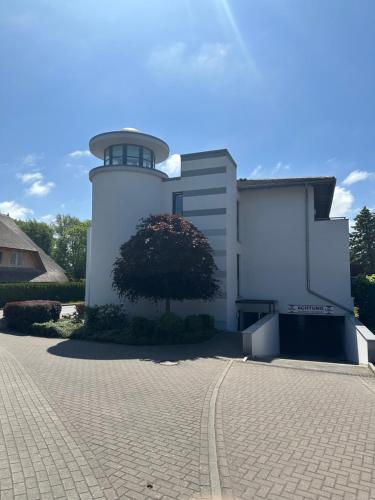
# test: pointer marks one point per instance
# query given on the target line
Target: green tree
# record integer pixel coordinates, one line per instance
(40, 232)
(70, 245)
(362, 241)
(167, 259)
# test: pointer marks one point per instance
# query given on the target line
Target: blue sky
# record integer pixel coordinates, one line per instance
(287, 86)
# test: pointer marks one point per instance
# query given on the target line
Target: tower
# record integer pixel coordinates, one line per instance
(125, 188)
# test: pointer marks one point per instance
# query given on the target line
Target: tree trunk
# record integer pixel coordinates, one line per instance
(168, 305)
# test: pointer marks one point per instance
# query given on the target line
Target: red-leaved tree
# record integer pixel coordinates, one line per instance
(167, 259)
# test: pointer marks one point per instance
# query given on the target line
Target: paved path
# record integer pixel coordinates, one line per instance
(87, 420)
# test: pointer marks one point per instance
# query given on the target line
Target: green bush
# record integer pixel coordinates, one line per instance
(60, 329)
(21, 315)
(363, 290)
(69, 291)
(142, 327)
(208, 322)
(199, 322)
(106, 317)
(169, 326)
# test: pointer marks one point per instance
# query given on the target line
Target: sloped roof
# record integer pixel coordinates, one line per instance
(324, 188)
(12, 236)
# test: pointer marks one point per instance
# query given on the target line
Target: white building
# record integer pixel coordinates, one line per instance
(277, 250)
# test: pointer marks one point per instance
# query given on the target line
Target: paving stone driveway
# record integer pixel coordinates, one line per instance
(87, 420)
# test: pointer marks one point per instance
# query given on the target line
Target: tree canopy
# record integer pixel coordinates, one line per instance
(167, 259)
(40, 232)
(65, 240)
(70, 246)
(362, 241)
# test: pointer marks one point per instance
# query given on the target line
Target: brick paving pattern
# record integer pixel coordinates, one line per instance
(87, 420)
(298, 434)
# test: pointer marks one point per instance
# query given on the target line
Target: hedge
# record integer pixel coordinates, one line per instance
(21, 315)
(68, 291)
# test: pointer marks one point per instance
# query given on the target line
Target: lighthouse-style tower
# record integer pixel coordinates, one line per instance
(125, 188)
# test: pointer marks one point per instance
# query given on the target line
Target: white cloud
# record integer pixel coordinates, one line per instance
(178, 61)
(171, 166)
(266, 173)
(38, 188)
(79, 153)
(256, 171)
(357, 176)
(342, 202)
(30, 177)
(32, 159)
(280, 167)
(15, 210)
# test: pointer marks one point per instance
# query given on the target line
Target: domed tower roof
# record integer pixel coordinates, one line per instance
(132, 137)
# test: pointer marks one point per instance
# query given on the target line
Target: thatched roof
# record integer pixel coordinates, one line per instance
(12, 237)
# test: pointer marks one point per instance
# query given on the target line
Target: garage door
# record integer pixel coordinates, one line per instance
(305, 336)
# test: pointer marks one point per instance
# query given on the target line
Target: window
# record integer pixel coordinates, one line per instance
(107, 157)
(238, 220)
(117, 155)
(132, 155)
(178, 207)
(238, 275)
(147, 158)
(129, 154)
(16, 259)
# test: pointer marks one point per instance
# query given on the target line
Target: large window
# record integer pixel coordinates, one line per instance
(129, 154)
(178, 206)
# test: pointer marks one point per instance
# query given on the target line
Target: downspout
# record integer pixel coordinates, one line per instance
(307, 247)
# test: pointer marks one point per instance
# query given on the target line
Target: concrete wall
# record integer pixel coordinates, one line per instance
(330, 261)
(262, 338)
(121, 196)
(359, 341)
(273, 262)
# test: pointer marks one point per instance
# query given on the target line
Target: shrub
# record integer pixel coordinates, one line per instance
(80, 311)
(363, 290)
(20, 315)
(170, 325)
(60, 329)
(142, 327)
(197, 322)
(106, 317)
(69, 291)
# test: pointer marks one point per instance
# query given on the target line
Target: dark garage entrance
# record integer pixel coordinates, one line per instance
(312, 336)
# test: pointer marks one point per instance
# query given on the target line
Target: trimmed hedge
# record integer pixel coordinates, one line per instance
(68, 291)
(21, 315)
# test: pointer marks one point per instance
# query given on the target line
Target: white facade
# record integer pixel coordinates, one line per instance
(289, 253)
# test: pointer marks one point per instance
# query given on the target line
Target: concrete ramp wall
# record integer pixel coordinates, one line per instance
(262, 338)
(359, 342)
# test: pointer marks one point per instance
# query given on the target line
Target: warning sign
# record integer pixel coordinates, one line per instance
(309, 309)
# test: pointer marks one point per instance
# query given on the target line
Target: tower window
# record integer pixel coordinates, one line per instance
(129, 154)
